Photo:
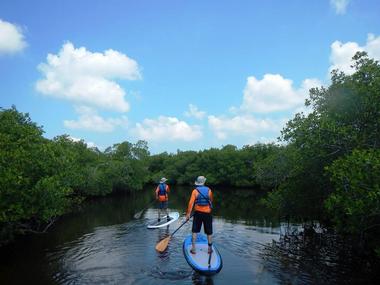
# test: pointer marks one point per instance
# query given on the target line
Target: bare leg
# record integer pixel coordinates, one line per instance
(209, 239)
(159, 214)
(167, 212)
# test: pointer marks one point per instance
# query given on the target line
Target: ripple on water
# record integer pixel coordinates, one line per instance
(178, 274)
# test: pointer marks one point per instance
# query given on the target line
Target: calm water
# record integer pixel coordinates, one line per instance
(103, 244)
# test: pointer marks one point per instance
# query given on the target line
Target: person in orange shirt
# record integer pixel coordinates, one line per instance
(201, 199)
(162, 196)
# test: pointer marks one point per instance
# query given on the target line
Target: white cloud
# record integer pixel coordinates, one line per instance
(245, 125)
(341, 56)
(89, 144)
(274, 93)
(340, 6)
(373, 46)
(194, 112)
(11, 38)
(90, 120)
(342, 53)
(167, 129)
(86, 77)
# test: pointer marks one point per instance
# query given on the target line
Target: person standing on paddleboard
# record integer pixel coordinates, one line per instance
(162, 196)
(201, 199)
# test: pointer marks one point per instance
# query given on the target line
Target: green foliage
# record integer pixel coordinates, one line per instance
(344, 117)
(22, 151)
(48, 198)
(332, 165)
(128, 165)
(273, 169)
(41, 179)
(355, 203)
(227, 166)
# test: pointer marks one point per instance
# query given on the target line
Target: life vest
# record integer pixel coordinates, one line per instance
(162, 193)
(203, 199)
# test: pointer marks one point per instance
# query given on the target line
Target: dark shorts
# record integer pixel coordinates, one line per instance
(163, 205)
(200, 218)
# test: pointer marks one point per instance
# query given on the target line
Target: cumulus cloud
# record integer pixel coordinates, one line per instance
(91, 121)
(269, 96)
(167, 129)
(274, 93)
(341, 56)
(342, 53)
(86, 77)
(246, 125)
(194, 112)
(11, 38)
(89, 144)
(340, 6)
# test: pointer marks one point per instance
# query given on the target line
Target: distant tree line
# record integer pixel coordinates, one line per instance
(326, 168)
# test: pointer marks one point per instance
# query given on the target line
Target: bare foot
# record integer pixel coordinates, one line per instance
(192, 251)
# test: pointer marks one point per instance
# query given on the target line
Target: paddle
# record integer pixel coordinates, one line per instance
(138, 214)
(163, 244)
(209, 259)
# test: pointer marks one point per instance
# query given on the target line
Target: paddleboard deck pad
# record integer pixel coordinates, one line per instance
(202, 261)
(173, 216)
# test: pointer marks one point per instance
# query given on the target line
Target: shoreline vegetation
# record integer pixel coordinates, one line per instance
(325, 168)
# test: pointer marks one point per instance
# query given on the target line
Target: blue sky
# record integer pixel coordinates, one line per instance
(178, 74)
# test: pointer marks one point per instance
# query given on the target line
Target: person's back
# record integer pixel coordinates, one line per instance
(201, 200)
(162, 196)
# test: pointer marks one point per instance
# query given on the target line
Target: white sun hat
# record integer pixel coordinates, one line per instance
(200, 180)
(163, 180)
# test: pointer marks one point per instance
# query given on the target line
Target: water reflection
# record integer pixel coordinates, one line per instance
(161, 234)
(103, 244)
(201, 280)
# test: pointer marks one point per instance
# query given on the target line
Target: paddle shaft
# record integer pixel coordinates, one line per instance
(209, 259)
(181, 225)
(163, 244)
(151, 202)
(140, 212)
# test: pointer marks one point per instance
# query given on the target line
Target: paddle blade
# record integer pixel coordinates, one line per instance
(163, 244)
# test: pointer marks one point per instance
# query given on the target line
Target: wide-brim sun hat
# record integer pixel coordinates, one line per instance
(163, 179)
(200, 180)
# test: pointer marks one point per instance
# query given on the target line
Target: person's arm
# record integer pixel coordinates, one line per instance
(191, 204)
(157, 193)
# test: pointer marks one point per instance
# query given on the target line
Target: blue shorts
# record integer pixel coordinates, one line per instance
(163, 205)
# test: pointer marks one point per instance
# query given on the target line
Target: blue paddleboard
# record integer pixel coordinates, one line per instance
(202, 261)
